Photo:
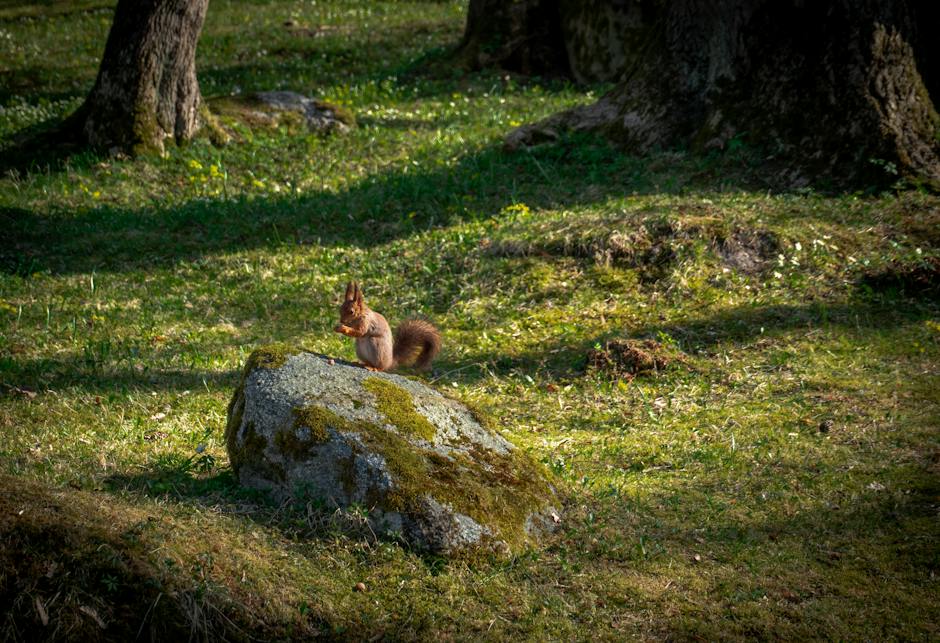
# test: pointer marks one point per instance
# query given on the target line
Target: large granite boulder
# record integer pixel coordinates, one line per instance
(424, 467)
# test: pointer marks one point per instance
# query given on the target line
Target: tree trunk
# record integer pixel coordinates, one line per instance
(839, 91)
(146, 90)
(517, 35)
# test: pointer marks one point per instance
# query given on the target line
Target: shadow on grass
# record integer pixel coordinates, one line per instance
(58, 549)
(76, 563)
(197, 480)
(739, 326)
(763, 560)
(374, 211)
(56, 374)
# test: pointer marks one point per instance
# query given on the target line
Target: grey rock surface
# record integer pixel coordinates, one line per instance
(422, 465)
(319, 116)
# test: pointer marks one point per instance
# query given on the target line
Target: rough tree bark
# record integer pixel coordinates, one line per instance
(520, 35)
(146, 90)
(825, 88)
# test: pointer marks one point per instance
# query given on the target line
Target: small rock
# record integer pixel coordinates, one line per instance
(320, 117)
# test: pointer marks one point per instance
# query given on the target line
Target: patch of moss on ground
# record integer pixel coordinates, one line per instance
(398, 407)
(255, 113)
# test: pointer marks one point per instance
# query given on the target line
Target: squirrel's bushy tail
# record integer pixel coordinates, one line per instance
(416, 341)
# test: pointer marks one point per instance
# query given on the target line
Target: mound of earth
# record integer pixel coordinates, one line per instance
(74, 568)
(627, 358)
(424, 467)
(915, 279)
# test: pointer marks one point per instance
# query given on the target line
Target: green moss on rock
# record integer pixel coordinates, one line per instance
(341, 114)
(252, 445)
(270, 356)
(398, 407)
(317, 421)
(497, 490)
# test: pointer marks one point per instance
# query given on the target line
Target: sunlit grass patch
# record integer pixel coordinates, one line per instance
(781, 483)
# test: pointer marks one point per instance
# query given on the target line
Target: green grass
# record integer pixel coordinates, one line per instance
(780, 482)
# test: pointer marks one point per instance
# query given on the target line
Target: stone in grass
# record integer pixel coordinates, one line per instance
(274, 108)
(426, 468)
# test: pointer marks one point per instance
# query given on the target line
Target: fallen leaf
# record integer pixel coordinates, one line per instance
(92, 613)
(41, 610)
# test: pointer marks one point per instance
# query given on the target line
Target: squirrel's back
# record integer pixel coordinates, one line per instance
(418, 342)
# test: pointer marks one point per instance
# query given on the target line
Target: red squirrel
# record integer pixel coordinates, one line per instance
(416, 341)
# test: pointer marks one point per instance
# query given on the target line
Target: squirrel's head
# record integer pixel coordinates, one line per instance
(353, 305)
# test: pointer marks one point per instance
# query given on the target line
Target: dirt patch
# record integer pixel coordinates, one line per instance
(628, 358)
(914, 279)
(749, 251)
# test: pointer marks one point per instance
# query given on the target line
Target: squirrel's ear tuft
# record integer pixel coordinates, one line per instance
(358, 295)
(350, 291)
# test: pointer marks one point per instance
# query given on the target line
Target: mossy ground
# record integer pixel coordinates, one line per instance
(784, 485)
